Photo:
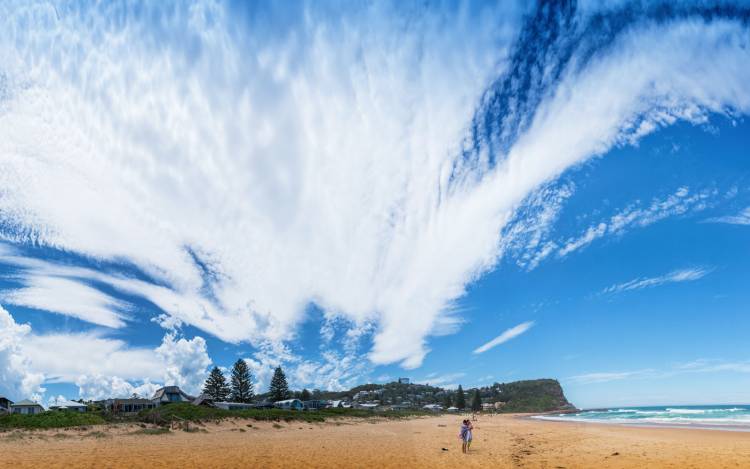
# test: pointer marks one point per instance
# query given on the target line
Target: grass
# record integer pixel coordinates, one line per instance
(152, 431)
(54, 419)
(182, 411)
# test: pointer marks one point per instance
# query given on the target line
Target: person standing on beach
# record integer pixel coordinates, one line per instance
(465, 435)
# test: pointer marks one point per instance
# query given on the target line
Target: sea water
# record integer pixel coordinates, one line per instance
(728, 417)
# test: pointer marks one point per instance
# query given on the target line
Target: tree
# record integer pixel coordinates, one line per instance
(476, 401)
(242, 385)
(279, 389)
(447, 402)
(305, 395)
(460, 398)
(216, 386)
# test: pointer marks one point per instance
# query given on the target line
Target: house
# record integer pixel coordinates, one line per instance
(234, 405)
(26, 407)
(289, 404)
(5, 404)
(336, 404)
(488, 406)
(203, 400)
(367, 406)
(499, 405)
(403, 381)
(314, 404)
(72, 406)
(452, 409)
(170, 394)
(400, 407)
(433, 407)
(128, 406)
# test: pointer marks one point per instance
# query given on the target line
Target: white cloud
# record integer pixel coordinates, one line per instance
(100, 366)
(103, 387)
(677, 276)
(742, 218)
(185, 362)
(447, 381)
(507, 335)
(65, 296)
(315, 163)
(17, 379)
(605, 377)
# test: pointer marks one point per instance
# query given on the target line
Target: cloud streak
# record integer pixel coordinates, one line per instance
(677, 276)
(507, 335)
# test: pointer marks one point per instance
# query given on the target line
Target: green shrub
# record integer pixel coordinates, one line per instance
(51, 419)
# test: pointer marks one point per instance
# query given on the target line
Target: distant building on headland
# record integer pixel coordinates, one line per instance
(403, 381)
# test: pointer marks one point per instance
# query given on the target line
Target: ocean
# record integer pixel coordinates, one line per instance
(724, 417)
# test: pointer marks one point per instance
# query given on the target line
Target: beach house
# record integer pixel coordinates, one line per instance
(5, 404)
(169, 394)
(26, 407)
(315, 404)
(234, 405)
(289, 404)
(128, 406)
(72, 406)
(488, 406)
(433, 407)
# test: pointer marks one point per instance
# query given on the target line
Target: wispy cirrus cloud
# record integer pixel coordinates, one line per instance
(367, 161)
(605, 377)
(742, 218)
(507, 335)
(676, 276)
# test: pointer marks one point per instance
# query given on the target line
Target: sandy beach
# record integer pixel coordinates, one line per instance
(500, 441)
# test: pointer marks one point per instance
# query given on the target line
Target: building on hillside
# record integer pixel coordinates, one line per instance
(400, 407)
(488, 406)
(169, 394)
(72, 406)
(5, 404)
(234, 405)
(403, 381)
(26, 407)
(314, 404)
(129, 406)
(289, 404)
(367, 406)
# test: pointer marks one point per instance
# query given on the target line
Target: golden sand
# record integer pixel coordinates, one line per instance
(499, 441)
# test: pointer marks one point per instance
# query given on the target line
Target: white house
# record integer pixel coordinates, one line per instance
(26, 407)
(433, 407)
(289, 404)
(64, 404)
(452, 409)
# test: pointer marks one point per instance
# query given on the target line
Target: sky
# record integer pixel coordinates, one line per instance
(455, 192)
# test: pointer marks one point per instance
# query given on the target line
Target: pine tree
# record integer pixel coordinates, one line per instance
(279, 389)
(460, 398)
(305, 395)
(476, 401)
(242, 385)
(216, 386)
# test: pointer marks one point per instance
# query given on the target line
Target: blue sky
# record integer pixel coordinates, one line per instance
(461, 193)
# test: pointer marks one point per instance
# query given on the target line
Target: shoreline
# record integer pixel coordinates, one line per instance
(672, 426)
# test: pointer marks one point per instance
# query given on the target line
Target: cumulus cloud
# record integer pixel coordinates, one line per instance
(185, 362)
(17, 379)
(677, 276)
(359, 162)
(507, 335)
(104, 387)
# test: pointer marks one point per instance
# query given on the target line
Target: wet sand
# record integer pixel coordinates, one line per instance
(500, 441)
